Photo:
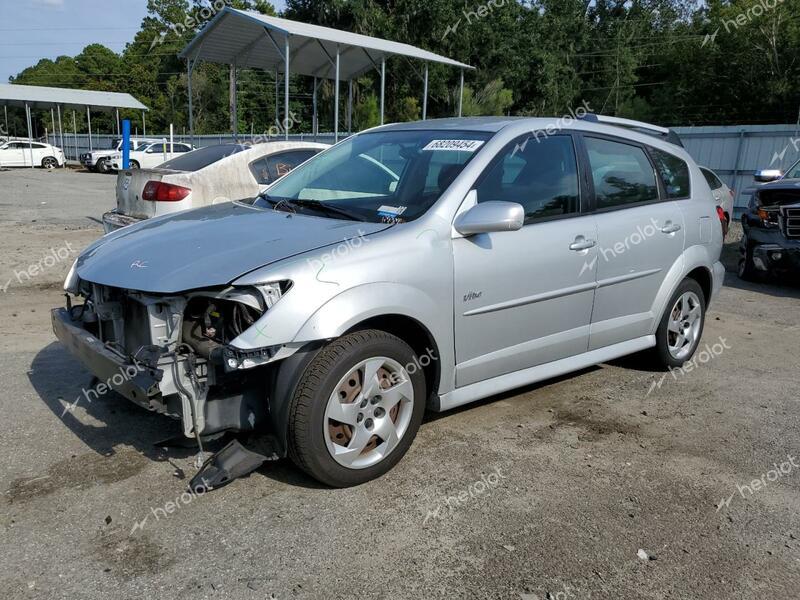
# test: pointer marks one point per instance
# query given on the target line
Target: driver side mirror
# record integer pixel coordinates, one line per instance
(767, 175)
(488, 217)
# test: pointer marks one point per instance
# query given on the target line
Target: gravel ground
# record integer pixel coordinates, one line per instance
(615, 482)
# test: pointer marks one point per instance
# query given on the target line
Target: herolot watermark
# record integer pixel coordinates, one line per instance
(125, 374)
(280, 128)
(779, 470)
(344, 248)
(700, 357)
(476, 489)
(634, 239)
(170, 506)
(49, 260)
(191, 21)
(479, 12)
(563, 122)
(748, 16)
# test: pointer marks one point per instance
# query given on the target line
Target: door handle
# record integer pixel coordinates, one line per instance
(581, 243)
(670, 228)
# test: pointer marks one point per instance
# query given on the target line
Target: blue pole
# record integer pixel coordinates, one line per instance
(126, 144)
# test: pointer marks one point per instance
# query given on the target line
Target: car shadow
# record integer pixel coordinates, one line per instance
(789, 288)
(110, 422)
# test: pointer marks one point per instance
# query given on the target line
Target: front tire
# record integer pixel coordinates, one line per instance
(681, 327)
(133, 165)
(747, 270)
(103, 166)
(356, 408)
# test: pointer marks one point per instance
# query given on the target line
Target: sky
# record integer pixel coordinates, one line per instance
(34, 29)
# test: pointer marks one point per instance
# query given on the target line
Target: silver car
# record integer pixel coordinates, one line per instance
(413, 266)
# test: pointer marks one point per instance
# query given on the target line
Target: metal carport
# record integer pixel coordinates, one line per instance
(252, 40)
(34, 96)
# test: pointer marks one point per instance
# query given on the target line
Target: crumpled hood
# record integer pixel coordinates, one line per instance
(208, 247)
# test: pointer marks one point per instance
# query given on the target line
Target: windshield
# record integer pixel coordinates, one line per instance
(389, 176)
(116, 144)
(793, 172)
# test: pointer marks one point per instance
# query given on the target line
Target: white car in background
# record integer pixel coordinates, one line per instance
(99, 160)
(210, 175)
(723, 195)
(150, 155)
(18, 153)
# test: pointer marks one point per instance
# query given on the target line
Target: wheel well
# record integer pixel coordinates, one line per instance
(415, 335)
(703, 277)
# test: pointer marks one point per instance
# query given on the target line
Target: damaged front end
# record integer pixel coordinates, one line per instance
(176, 349)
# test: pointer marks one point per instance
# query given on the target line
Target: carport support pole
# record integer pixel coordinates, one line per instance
(29, 119)
(314, 111)
(119, 130)
(350, 109)
(60, 128)
(461, 94)
(5, 109)
(189, 85)
(336, 101)
(277, 100)
(286, 90)
(144, 126)
(89, 125)
(383, 84)
(75, 135)
(425, 95)
(53, 119)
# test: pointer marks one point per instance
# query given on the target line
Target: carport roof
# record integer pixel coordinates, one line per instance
(252, 40)
(50, 97)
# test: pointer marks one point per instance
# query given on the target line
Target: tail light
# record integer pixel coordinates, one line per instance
(723, 221)
(157, 191)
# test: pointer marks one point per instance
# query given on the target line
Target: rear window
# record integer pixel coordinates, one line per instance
(268, 169)
(200, 159)
(674, 173)
(713, 181)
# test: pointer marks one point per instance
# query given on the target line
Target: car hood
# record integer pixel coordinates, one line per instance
(208, 247)
(779, 184)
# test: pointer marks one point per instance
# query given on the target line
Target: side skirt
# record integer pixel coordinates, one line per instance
(503, 383)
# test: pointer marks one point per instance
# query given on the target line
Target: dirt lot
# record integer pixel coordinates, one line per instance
(559, 488)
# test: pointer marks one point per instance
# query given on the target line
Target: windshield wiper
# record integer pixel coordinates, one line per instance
(328, 208)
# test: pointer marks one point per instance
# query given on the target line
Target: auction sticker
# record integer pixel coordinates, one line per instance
(451, 145)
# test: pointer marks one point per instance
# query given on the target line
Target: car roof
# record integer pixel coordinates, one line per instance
(488, 124)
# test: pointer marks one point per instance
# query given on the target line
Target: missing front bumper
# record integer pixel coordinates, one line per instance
(137, 382)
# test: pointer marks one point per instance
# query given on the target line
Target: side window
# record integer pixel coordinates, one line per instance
(157, 149)
(713, 181)
(540, 174)
(181, 148)
(622, 173)
(268, 169)
(674, 173)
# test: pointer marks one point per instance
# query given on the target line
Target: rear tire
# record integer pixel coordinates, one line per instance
(49, 162)
(366, 379)
(681, 327)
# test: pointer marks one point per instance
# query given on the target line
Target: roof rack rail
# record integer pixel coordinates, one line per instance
(664, 133)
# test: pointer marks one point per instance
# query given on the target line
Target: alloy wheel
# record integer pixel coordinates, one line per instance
(683, 328)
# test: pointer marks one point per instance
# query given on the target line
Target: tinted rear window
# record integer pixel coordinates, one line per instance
(199, 159)
(713, 182)
(674, 173)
